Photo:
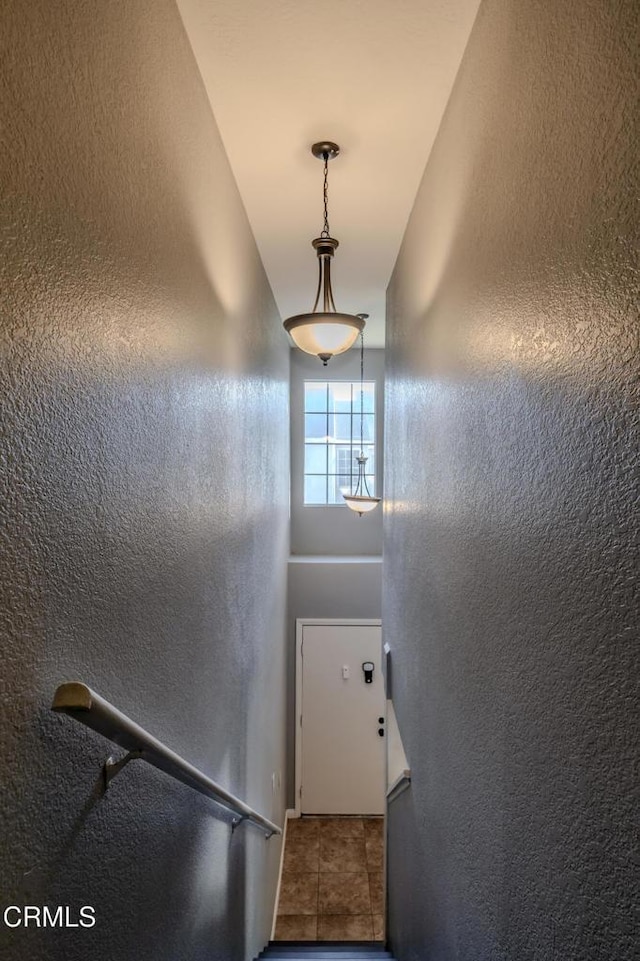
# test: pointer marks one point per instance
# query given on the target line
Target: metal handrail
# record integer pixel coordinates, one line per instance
(85, 705)
(399, 786)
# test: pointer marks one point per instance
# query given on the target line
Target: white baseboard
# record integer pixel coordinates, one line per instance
(289, 813)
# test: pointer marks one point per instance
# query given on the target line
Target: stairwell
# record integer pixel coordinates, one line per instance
(325, 951)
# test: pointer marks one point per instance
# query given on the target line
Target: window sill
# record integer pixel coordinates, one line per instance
(335, 559)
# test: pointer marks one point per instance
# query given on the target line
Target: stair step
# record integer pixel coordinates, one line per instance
(325, 951)
(304, 955)
(374, 946)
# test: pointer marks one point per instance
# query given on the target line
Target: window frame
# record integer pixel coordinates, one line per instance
(353, 445)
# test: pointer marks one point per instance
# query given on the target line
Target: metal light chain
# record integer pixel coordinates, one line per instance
(325, 229)
(361, 394)
(363, 487)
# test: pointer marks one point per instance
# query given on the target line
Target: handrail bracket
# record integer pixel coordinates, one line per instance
(112, 767)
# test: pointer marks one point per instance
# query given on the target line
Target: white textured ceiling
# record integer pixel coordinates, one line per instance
(372, 75)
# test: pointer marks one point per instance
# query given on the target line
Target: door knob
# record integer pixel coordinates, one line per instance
(381, 731)
(380, 720)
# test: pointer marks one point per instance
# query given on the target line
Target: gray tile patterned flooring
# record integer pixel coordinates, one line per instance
(332, 888)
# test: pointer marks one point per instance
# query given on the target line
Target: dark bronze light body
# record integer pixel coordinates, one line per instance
(324, 331)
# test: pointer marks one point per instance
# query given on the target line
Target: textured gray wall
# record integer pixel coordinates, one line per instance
(144, 491)
(512, 410)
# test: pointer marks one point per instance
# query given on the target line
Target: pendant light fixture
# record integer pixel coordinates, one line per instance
(361, 500)
(324, 332)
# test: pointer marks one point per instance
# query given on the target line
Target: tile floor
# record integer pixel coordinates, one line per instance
(331, 887)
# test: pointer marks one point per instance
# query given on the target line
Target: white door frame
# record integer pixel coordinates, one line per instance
(302, 622)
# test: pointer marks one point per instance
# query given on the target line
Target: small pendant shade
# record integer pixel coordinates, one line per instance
(361, 500)
(362, 505)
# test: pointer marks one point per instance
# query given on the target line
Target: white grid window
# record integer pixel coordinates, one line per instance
(332, 438)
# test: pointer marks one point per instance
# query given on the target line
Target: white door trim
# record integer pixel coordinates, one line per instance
(302, 622)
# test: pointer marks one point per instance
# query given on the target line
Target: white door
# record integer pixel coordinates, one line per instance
(342, 756)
